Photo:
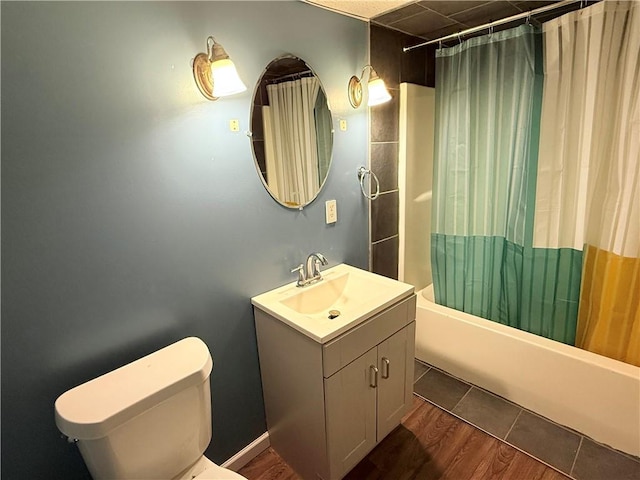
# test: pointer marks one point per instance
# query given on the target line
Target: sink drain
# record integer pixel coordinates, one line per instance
(334, 314)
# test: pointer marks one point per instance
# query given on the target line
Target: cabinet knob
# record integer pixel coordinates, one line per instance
(385, 367)
(373, 376)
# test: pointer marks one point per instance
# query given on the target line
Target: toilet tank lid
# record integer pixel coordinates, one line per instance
(93, 409)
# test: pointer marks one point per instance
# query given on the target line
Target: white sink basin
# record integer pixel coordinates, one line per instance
(348, 292)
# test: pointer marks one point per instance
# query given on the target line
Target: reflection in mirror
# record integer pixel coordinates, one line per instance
(292, 132)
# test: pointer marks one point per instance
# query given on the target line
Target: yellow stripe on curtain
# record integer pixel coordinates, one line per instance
(609, 314)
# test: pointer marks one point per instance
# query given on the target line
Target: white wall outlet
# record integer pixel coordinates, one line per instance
(343, 125)
(331, 211)
(234, 125)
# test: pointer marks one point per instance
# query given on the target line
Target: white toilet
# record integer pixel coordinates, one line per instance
(150, 419)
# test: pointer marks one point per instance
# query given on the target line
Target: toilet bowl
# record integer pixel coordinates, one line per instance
(149, 419)
(205, 469)
(219, 473)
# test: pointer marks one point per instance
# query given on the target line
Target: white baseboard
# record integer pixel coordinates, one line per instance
(248, 453)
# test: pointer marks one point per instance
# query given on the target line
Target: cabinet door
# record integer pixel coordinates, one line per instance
(395, 362)
(350, 402)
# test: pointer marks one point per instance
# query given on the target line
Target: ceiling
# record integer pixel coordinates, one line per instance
(364, 9)
(430, 19)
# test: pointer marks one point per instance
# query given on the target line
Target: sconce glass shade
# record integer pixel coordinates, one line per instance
(378, 92)
(376, 88)
(226, 80)
(215, 74)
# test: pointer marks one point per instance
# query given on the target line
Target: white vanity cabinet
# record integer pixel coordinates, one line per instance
(329, 404)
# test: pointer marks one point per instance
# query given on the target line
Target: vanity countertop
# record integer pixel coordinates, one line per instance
(355, 293)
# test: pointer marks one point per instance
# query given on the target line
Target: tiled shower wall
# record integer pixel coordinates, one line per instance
(394, 67)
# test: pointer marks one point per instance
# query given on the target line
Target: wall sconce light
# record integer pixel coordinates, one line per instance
(215, 74)
(378, 92)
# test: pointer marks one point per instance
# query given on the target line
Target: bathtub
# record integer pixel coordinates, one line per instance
(592, 394)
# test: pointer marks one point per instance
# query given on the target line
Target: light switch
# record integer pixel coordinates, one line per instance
(331, 211)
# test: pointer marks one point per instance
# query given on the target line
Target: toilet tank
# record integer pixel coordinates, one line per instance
(149, 419)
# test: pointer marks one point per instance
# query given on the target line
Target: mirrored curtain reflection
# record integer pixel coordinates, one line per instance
(292, 131)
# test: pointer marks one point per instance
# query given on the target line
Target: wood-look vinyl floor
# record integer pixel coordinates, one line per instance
(430, 444)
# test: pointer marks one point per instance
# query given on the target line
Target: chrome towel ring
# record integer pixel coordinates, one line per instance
(362, 174)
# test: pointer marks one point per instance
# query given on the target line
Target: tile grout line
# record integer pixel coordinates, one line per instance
(421, 375)
(542, 417)
(522, 409)
(385, 239)
(514, 423)
(575, 459)
(463, 397)
(429, 367)
(503, 440)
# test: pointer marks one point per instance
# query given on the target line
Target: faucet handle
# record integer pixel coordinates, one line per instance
(300, 270)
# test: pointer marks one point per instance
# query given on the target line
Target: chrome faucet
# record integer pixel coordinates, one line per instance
(311, 273)
(313, 266)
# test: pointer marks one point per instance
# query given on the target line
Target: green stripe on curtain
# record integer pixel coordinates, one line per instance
(534, 289)
(488, 106)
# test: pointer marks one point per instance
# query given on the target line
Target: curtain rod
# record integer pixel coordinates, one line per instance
(512, 18)
(308, 73)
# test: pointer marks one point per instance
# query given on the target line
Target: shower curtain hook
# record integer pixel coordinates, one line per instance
(490, 28)
(459, 38)
(440, 44)
(529, 18)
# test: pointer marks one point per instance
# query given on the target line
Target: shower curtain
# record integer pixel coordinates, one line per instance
(290, 140)
(324, 134)
(534, 160)
(589, 167)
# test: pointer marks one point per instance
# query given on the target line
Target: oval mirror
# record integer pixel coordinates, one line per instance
(292, 132)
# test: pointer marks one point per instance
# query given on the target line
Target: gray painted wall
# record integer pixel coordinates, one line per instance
(132, 217)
